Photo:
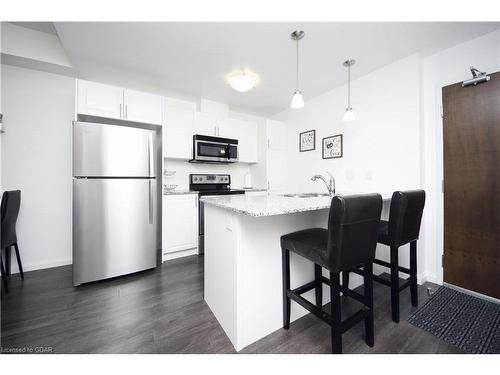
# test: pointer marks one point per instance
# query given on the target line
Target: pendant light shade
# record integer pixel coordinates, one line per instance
(348, 115)
(349, 112)
(297, 99)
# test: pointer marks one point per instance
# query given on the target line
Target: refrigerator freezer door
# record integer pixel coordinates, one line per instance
(114, 230)
(101, 150)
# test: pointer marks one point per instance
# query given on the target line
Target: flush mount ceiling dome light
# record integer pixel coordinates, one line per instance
(242, 81)
(349, 113)
(297, 99)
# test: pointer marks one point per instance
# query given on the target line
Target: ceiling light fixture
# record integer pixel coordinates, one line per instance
(297, 99)
(242, 81)
(349, 113)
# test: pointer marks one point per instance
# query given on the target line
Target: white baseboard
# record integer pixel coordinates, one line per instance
(472, 293)
(38, 266)
(178, 254)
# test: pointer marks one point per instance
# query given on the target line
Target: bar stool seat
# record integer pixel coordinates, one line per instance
(350, 240)
(309, 243)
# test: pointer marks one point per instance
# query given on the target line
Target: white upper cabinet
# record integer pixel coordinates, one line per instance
(206, 124)
(246, 132)
(142, 107)
(97, 99)
(101, 100)
(178, 133)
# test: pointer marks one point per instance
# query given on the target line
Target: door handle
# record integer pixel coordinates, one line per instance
(151, 206)
(150, 155)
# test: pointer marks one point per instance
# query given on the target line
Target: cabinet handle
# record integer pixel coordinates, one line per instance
(215, 130)
(268, 143)
(126, 106)
(120, 110)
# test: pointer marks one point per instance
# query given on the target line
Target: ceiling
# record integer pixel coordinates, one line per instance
(193, 58)
(45, 27)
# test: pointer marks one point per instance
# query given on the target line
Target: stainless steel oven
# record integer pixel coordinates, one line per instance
(207, 149)
(206, 185)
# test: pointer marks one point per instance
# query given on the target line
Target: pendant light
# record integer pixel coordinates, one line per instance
(349, 113)
(297, 99)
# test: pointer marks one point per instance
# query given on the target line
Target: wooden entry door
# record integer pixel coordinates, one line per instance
(472, 186)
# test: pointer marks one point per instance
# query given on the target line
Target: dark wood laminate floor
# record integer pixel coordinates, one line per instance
(163, 311)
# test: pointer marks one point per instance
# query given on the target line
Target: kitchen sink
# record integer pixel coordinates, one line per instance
(306, 195)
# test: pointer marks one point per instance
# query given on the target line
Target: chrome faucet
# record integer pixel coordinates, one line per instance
(330, 185)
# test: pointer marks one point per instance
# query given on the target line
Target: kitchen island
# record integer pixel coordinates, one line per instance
(243, 285)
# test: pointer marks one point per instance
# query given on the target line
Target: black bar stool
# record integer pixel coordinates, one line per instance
(403, 227)
(11, 201)
(350, 240)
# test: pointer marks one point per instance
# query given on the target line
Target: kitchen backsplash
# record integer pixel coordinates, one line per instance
(183, 169)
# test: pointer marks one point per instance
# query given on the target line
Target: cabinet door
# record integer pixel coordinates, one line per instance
(178, 133)
(101, 100)
(205, 124)
(246, 133)
(180, 222)
(142, 107)
(276, 156)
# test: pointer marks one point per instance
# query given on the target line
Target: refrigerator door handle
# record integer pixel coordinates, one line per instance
(150, 155)
(151, 205)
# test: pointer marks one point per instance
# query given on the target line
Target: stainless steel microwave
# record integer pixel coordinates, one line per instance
(207, 149)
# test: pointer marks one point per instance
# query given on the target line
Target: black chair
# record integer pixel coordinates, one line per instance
(11, 201)
(403, 227)
(350, 240)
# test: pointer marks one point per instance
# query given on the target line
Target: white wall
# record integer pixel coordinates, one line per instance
(36, 158)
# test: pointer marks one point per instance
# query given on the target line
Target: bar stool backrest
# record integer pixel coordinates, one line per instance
(405, 216)
(11, 201)
(352, 230)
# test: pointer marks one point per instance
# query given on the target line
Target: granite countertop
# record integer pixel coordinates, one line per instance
(271, 204)
(177, 192)
(267, 205)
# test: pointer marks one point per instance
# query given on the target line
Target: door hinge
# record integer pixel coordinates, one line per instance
(442, 113)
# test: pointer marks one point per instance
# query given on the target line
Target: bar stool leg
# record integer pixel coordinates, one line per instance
(19, 264)
(368, 293)
(345, 279)
(285, 262)
(319, 286)
(335, 313)
(8, 256)
(394, 284)
(413, 273)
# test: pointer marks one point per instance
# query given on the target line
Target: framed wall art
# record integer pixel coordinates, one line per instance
(307, 141)
(332, 147)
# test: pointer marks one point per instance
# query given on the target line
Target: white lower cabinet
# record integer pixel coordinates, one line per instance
(179, 226)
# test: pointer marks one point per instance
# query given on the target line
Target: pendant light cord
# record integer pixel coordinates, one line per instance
(349, 86)
(297, 75)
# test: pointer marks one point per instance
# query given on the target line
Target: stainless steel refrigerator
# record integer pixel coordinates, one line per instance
(114, 201)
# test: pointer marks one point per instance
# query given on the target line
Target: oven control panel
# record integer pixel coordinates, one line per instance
(223, 179)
